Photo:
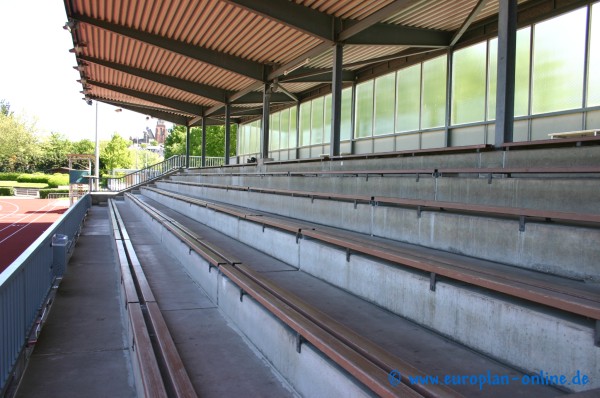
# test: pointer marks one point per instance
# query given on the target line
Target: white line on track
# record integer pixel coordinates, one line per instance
(3, 215)
(26, 225)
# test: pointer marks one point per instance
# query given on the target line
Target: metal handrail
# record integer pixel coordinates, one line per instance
(25, 285)
(157, 170)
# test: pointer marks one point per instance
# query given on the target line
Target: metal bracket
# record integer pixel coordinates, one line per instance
(211, 266)
(597, 334)
(521, 223)
(490, 178)
(419, 211)
(263, 228)
(298, 235)
(299, 341)
(348, 252)
(432, 281)
(418, 177)
(189, 250)
(367, 179)
(355, 203)
(242, 294)
(312, 199)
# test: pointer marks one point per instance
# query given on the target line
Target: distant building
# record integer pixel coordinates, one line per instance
(160, 132)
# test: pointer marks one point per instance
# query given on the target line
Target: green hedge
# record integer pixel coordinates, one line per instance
(9, 176)
(44, 192)
(37, 177)
(7, 191)
(58, 179)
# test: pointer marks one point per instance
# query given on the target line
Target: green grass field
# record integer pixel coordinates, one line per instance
(23, 184)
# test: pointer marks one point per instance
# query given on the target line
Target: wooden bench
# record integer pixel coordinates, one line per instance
(571, 296)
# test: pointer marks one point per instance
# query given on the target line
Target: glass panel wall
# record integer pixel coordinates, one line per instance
(316, 134)
(593, 89)
(384, 104)
(346, 127)
(558, 57)
(468, 84)
(433, 93)
(305, 123)
(408, 98)
(364, 109)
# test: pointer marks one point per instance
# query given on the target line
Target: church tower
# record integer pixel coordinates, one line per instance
(160, 132)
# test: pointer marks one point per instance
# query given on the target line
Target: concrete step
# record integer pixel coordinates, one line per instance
(523, 334)
(400, 336)
(554, 248)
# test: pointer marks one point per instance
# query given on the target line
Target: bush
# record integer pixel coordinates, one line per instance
(37, 177)
(7, 191)
(44, 192)
(9, 176)
(57, 180)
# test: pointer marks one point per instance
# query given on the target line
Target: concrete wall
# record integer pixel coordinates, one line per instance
(523, 334)
(547, 247)
(309, 372)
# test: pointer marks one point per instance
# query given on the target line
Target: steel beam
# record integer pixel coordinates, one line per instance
(203, 154)
(294, 15)
(336, 100)
(241, 66)
(505, 87)
(152, 111)
(378, 16)
(395, 35)
(474, 13)
(264, 133)
(309, 75)
(157, 99)
(188, 146)
(203, 90)
(227, 131)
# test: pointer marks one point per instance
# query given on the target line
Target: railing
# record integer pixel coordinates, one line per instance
(24, 287)
(157, 170)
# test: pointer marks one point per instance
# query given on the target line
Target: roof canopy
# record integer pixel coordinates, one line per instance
(181, 60)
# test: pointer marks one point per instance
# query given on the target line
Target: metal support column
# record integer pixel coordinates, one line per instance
(336, 100)
(203, 154)
(264, 133)
(227, 131)
(505, 87)
(187, 147)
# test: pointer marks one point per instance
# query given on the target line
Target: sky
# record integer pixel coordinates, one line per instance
(38, 80)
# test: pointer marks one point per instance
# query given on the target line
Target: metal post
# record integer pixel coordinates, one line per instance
(264, 133)
(505, 87)
(203, 155)
(336, 100)
(187, 147)
(227, 131)
(97, 154)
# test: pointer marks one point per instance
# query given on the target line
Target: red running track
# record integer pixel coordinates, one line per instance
(22, 221)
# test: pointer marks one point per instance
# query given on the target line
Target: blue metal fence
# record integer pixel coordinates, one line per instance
(24, 286)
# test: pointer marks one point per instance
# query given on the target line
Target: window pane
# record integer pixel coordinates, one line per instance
(364, 109)
(468, 84)
(327, 120)
(559, 46)
(284, 129)
(384, 104)
(408, 98)
(254, 137)
(433, 108)
(521, 74)
(293, 127)
(346, 129)
(274, 137)
(317, 121)
(305, 123)
(594, 57)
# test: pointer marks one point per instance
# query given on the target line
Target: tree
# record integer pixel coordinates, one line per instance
(141, 158)
(5, 108)
(54, 151)
(18, 143)
(114, 154)
(215, 141)
(84, 147)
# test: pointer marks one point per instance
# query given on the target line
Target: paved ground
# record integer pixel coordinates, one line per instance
(22, 221)
(81, 351)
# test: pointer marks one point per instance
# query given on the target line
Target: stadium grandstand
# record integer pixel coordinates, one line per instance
(412, 210)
